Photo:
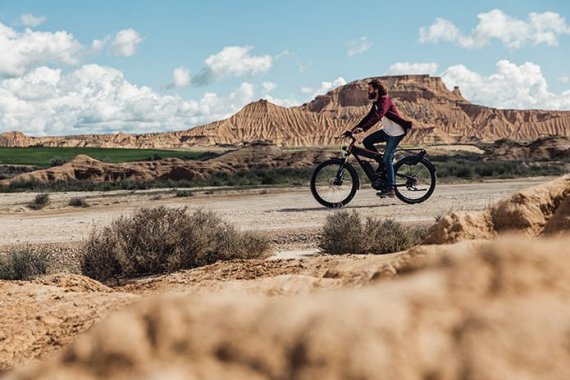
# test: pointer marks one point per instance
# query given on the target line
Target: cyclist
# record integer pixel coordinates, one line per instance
(394, 128)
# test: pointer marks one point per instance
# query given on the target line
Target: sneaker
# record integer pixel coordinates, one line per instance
(388, 193)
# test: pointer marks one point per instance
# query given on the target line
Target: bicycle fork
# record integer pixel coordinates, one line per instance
(340, 173)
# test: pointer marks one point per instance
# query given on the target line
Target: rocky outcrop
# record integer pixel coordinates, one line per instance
(542, 149)
(251, 157)
(439, 115)
(543, 209)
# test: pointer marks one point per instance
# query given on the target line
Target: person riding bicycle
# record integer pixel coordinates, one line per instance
(394, 128)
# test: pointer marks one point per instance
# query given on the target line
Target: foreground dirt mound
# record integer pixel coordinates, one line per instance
(542, 209)
(42, 316)
(497, 311)
(251, 157)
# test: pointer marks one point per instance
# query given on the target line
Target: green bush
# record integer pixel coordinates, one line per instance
(40, 201)
(57, 161)
(345, 232)
(162, 240)
(23, 265)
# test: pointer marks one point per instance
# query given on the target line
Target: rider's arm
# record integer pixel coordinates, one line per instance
(376, 113)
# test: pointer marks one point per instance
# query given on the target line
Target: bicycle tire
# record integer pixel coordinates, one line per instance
(412, 161)
(334, 162)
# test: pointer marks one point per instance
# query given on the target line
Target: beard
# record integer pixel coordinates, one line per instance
(373, 95)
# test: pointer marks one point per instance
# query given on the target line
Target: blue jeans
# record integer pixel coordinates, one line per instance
(391, 145)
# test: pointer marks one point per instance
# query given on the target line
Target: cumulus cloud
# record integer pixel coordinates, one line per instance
(268, 86)
(22, 51)
(399, 68)
(31, 20)
(181, 77)
(232, 61)
(540, 28)
(511, 86)
(97, 99)
(125, 43)
(324, 88)
(358, 46)
(563, 79)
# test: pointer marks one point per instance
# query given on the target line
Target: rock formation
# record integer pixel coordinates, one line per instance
(439, 115)
(539, 210)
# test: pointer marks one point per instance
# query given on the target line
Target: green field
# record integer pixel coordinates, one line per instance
(41, 156)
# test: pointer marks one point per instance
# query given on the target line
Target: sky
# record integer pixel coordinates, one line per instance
(76, 67)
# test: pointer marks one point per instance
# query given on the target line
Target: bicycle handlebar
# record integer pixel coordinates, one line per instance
(348, 134)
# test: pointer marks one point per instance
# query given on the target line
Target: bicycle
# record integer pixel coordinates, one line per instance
(335, 182)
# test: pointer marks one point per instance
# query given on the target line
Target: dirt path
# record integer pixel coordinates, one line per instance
(282, 212)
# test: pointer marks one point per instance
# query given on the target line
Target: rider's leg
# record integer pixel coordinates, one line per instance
(374, 138)
(391, 145)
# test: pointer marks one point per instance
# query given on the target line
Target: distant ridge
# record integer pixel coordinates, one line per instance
(439, 115)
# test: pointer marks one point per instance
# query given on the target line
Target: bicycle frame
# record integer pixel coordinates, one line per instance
(359, 152)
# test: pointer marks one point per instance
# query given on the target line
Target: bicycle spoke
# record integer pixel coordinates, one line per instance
(413, 181)
(330, 188)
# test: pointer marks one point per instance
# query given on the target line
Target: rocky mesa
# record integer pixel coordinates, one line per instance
(439, 116)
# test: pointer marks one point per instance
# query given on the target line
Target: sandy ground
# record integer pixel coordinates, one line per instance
(433, 303)
(284, 213)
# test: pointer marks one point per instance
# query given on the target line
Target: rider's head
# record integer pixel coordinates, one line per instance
(375, 89)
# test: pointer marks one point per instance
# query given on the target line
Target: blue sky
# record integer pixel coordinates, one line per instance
(286, 51)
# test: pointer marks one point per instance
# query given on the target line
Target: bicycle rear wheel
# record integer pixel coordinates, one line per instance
(334, 183)
(415, 179)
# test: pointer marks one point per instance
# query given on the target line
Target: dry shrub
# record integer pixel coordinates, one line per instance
(342, 233)
(161, 240)
(40, 201)
(345, 232)
(23, 264)
(78, 202)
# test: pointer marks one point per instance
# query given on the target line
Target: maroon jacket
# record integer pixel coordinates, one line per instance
(383, 107)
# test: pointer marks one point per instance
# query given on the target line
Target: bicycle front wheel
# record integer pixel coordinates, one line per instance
(415, 179)
(334, 183)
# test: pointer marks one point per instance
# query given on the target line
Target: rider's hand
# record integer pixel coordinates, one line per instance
(357, 130)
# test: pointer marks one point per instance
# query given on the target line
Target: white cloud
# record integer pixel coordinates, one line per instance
(268, 86)
(98, 45)
(540, 28)
(399, 68)
(96, 99)
(358, 46)
(31, 20)
(181, 77)
(28, 49)
(125, 42)
(563, 79)
(325, 87)
(511, 86)
(232, 61)
(283, 102)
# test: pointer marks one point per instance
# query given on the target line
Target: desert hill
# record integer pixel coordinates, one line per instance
(439, 115)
